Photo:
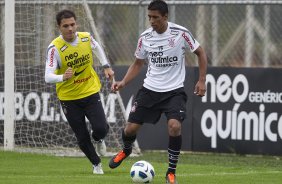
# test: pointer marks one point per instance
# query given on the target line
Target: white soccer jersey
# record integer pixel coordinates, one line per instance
(165, 54)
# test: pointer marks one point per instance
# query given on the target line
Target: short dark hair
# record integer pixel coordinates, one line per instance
(159, 5)
(64, 14)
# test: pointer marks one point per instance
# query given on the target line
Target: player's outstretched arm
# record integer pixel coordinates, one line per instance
(200, 88)
(132, 72)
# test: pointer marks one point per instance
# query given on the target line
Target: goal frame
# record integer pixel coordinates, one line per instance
(9, 91)
(9, 70)
(217, 55)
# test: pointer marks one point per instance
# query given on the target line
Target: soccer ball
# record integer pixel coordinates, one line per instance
(142, 172)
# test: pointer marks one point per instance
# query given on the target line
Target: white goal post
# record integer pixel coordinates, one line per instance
(33, 118)
(9, 75)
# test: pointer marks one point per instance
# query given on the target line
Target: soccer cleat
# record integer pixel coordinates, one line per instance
(97, 169)
(100, 147)
(117, 159)
(171, 178)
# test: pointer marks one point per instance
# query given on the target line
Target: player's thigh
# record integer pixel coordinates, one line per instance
(75, 117)
(176, 107)
(144, 115)
(143, 109)
(95, 113)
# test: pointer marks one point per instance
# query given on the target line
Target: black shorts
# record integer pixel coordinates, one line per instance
(90, 107)
(149, 105)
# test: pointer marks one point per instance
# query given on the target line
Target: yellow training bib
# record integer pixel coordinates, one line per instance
(85, 80)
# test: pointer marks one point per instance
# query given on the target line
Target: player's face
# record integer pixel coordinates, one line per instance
(157, 21)
(68, 28)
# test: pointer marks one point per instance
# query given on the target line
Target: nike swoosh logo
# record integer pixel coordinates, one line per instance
(146, 169)
(152, 44)
(77, 73)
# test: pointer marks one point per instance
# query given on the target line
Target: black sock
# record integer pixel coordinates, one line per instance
(127, 143)
(173, 150)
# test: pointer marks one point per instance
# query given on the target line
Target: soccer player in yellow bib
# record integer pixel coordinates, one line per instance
(69, 64)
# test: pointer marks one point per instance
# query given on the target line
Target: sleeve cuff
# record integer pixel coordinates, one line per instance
(106, 66)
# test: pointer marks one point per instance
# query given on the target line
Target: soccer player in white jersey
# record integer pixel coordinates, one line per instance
(163, 47)
(69, 64)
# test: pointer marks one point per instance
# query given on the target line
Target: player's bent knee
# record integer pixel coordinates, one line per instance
(131, 129)
(99, 133)
(174, 128)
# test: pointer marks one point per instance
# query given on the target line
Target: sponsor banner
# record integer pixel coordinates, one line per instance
(241, 112)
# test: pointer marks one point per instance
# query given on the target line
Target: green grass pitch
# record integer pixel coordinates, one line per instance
(193, 168)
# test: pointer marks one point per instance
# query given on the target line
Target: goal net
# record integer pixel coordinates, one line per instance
(40, 124)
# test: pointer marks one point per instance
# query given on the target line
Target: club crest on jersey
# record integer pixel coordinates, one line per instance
(85, 39)
(171, 42)
(63, 48)
(133, 108)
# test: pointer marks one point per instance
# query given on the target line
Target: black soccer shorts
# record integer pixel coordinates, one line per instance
(149, 106)
(90, 107)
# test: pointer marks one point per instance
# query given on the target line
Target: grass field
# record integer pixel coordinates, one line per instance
(25, 168)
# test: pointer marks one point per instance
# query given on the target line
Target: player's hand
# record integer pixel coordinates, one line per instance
(200, 89)
(117, 85)
(109, 73)
(68, 74)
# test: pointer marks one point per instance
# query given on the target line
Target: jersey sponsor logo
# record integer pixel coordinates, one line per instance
(63, 48)
(76, 60)
(81, 80)
(156, 54)
(188, 41)
(85, 39)
(160, 61)
(174, 32)
(164, 59)
(148, 35)
(71, 56)
(139, 44)
(166, 64)
(77, 73)
(52, 57)
(81, 64)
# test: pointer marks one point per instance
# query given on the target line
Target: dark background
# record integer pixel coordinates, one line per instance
(260, 80)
